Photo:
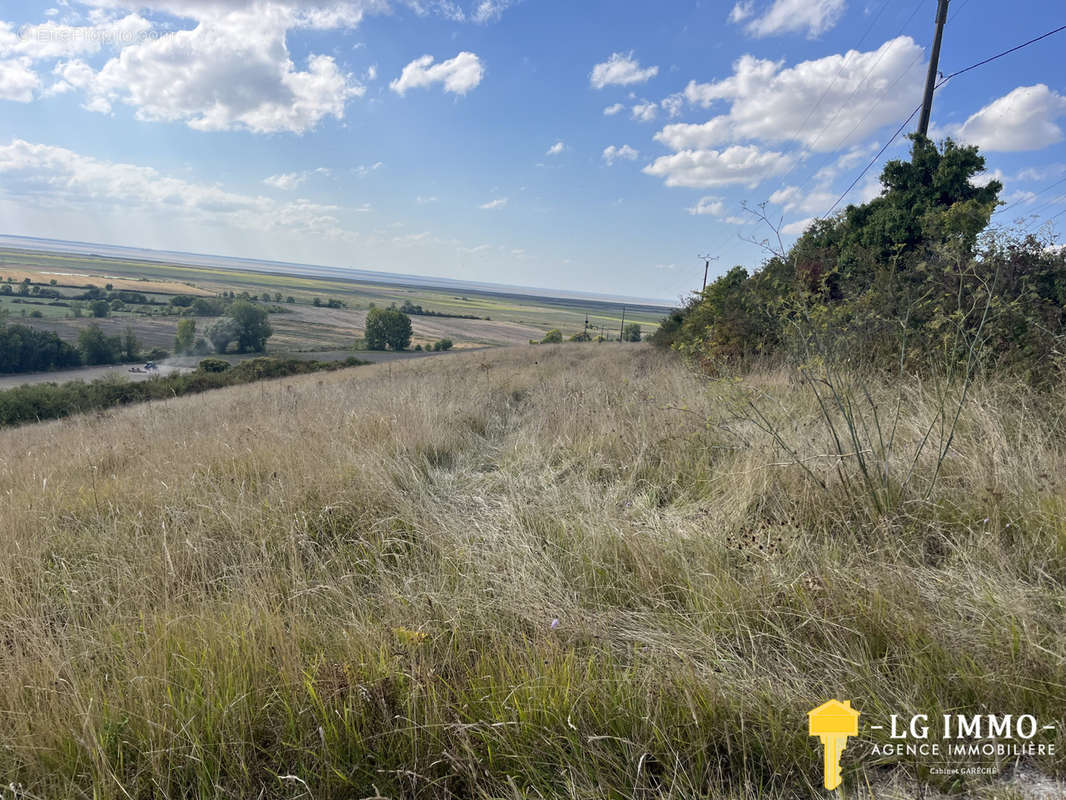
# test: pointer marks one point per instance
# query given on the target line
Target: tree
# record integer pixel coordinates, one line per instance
(97, 347)
(387, 328)
(131, 348)
(100, 308)
(222, 333)
(252, 326)
(554, 336)
(442, 345)
(186, 338)
(631, 333)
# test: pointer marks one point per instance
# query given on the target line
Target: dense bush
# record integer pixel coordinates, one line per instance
(25, 349)
(554, 336)
(42, 401)
(908, 275)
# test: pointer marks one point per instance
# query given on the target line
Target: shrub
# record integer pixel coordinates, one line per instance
(554, 336)
(213, 365)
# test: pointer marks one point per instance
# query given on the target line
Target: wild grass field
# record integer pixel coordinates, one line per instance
(571, 571)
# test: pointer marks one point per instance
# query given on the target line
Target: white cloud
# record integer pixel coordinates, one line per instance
(797, 227)
(613, 153)
(793, 198)
(701, 169)
(713, 206)
(499, 202)
(423, 200)
(490, 10)
(791, 16)
(855, 93)
(673, 105)
(315, 14)
(17, 81)
(742, 11)
(1041, 173)
(51, 40)
(1024, 119)
(231, 71)
(290, 180)
(621, 69)
(611, 110)
(986, 177)
(459, 75)
(556, 149)
(1020, 197)
(365, 169)
(645, 112)
(63, 178)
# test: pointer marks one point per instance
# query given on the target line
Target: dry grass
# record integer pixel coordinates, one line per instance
(224, 595)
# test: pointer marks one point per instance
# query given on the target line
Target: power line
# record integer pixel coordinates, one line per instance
(723, 240)
(1028, 199)
(940, 83)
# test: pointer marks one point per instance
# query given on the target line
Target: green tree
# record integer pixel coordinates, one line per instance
(631, 333)
(186, 338)
(222, 334)
(97, 347)
(387, 328)
(100, 308)
(252, 326)
(131, 347)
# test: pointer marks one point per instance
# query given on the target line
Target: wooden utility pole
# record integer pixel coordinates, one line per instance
(934, 61)
(706, 268)
(622, 330)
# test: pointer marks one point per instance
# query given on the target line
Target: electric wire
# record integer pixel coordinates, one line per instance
(939, 83)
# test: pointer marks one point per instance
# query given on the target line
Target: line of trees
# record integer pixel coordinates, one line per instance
(26, 349)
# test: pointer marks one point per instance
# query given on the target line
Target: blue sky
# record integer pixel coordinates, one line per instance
(596, 145)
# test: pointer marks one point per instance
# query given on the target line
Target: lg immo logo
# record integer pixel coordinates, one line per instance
(956, 738)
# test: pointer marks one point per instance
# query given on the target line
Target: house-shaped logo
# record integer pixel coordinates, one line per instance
(833, 722)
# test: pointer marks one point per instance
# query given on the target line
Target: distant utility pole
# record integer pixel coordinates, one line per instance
(934, 61)
(622, 329)
(706, 268)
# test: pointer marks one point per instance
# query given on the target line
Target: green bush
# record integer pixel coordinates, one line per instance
(213, 365)
(41, 401)
(906, 276)
(554, 336)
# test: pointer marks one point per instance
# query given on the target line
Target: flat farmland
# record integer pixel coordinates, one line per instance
(301, 317)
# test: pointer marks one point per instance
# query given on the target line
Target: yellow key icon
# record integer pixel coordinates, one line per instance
(833, 723)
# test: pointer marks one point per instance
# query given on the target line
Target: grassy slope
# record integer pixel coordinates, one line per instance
(223, 595)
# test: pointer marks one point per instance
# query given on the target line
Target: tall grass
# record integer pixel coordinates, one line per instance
(546, 572)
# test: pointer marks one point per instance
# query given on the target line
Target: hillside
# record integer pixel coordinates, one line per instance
(573, 571)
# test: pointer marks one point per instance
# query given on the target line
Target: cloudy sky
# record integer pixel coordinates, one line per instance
(596, 145)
